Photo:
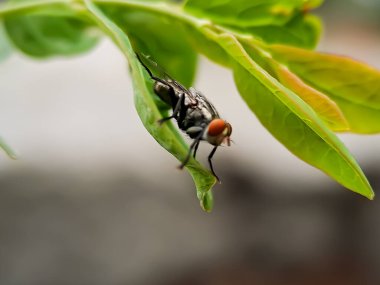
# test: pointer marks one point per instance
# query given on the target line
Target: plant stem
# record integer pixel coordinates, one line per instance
(173, 11)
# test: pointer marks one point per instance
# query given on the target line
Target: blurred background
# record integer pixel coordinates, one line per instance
(93, 199)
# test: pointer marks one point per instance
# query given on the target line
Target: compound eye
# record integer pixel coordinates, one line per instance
(216, 127)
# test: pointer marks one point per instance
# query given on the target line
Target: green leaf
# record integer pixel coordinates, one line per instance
(361, 119)
(206, 201)
(245, 13)
(8, 150)
(166, 135)
(291, 120)
(174, 18)
(326, 108)
(309, 140)
(353, 85)
(207, 47)
(302, 31)
(148, 34)
(45, 35)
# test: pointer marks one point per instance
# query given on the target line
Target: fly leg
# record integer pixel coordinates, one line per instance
(196, 148)
(176, 110)
(193, 145)
(210, 162)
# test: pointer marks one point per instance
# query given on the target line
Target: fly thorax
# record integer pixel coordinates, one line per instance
(189, 101)
(194, 117)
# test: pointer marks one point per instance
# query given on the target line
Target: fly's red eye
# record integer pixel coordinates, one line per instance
(216, 127)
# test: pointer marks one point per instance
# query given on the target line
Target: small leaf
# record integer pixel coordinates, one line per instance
(207, 47)
(148, 34)
(42, 36)
(245, 13)
(291, 120)
(303, 30)
(354, 86)
(166, 135)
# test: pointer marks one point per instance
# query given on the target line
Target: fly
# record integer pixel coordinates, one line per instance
(195, 115)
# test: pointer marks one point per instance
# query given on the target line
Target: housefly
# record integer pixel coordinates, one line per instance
(195, 115)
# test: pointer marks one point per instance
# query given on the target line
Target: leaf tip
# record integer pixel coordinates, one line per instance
(206, 201)
(371, 196)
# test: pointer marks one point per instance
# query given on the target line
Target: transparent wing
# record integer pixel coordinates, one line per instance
(159, 72)
(193, 96)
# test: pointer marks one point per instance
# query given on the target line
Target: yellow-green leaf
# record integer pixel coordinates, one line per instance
(326, 108)
(353, 85)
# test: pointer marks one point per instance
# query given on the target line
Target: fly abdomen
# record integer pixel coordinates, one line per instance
(166, 93)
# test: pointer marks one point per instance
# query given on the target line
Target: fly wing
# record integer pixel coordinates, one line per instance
(193, 97)
(178, 87)
(161, 73)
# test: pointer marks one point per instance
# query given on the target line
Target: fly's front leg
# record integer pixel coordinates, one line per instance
(193, 145)
(195, 132)
(176, 110)
(210, 162)
(195, 149)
